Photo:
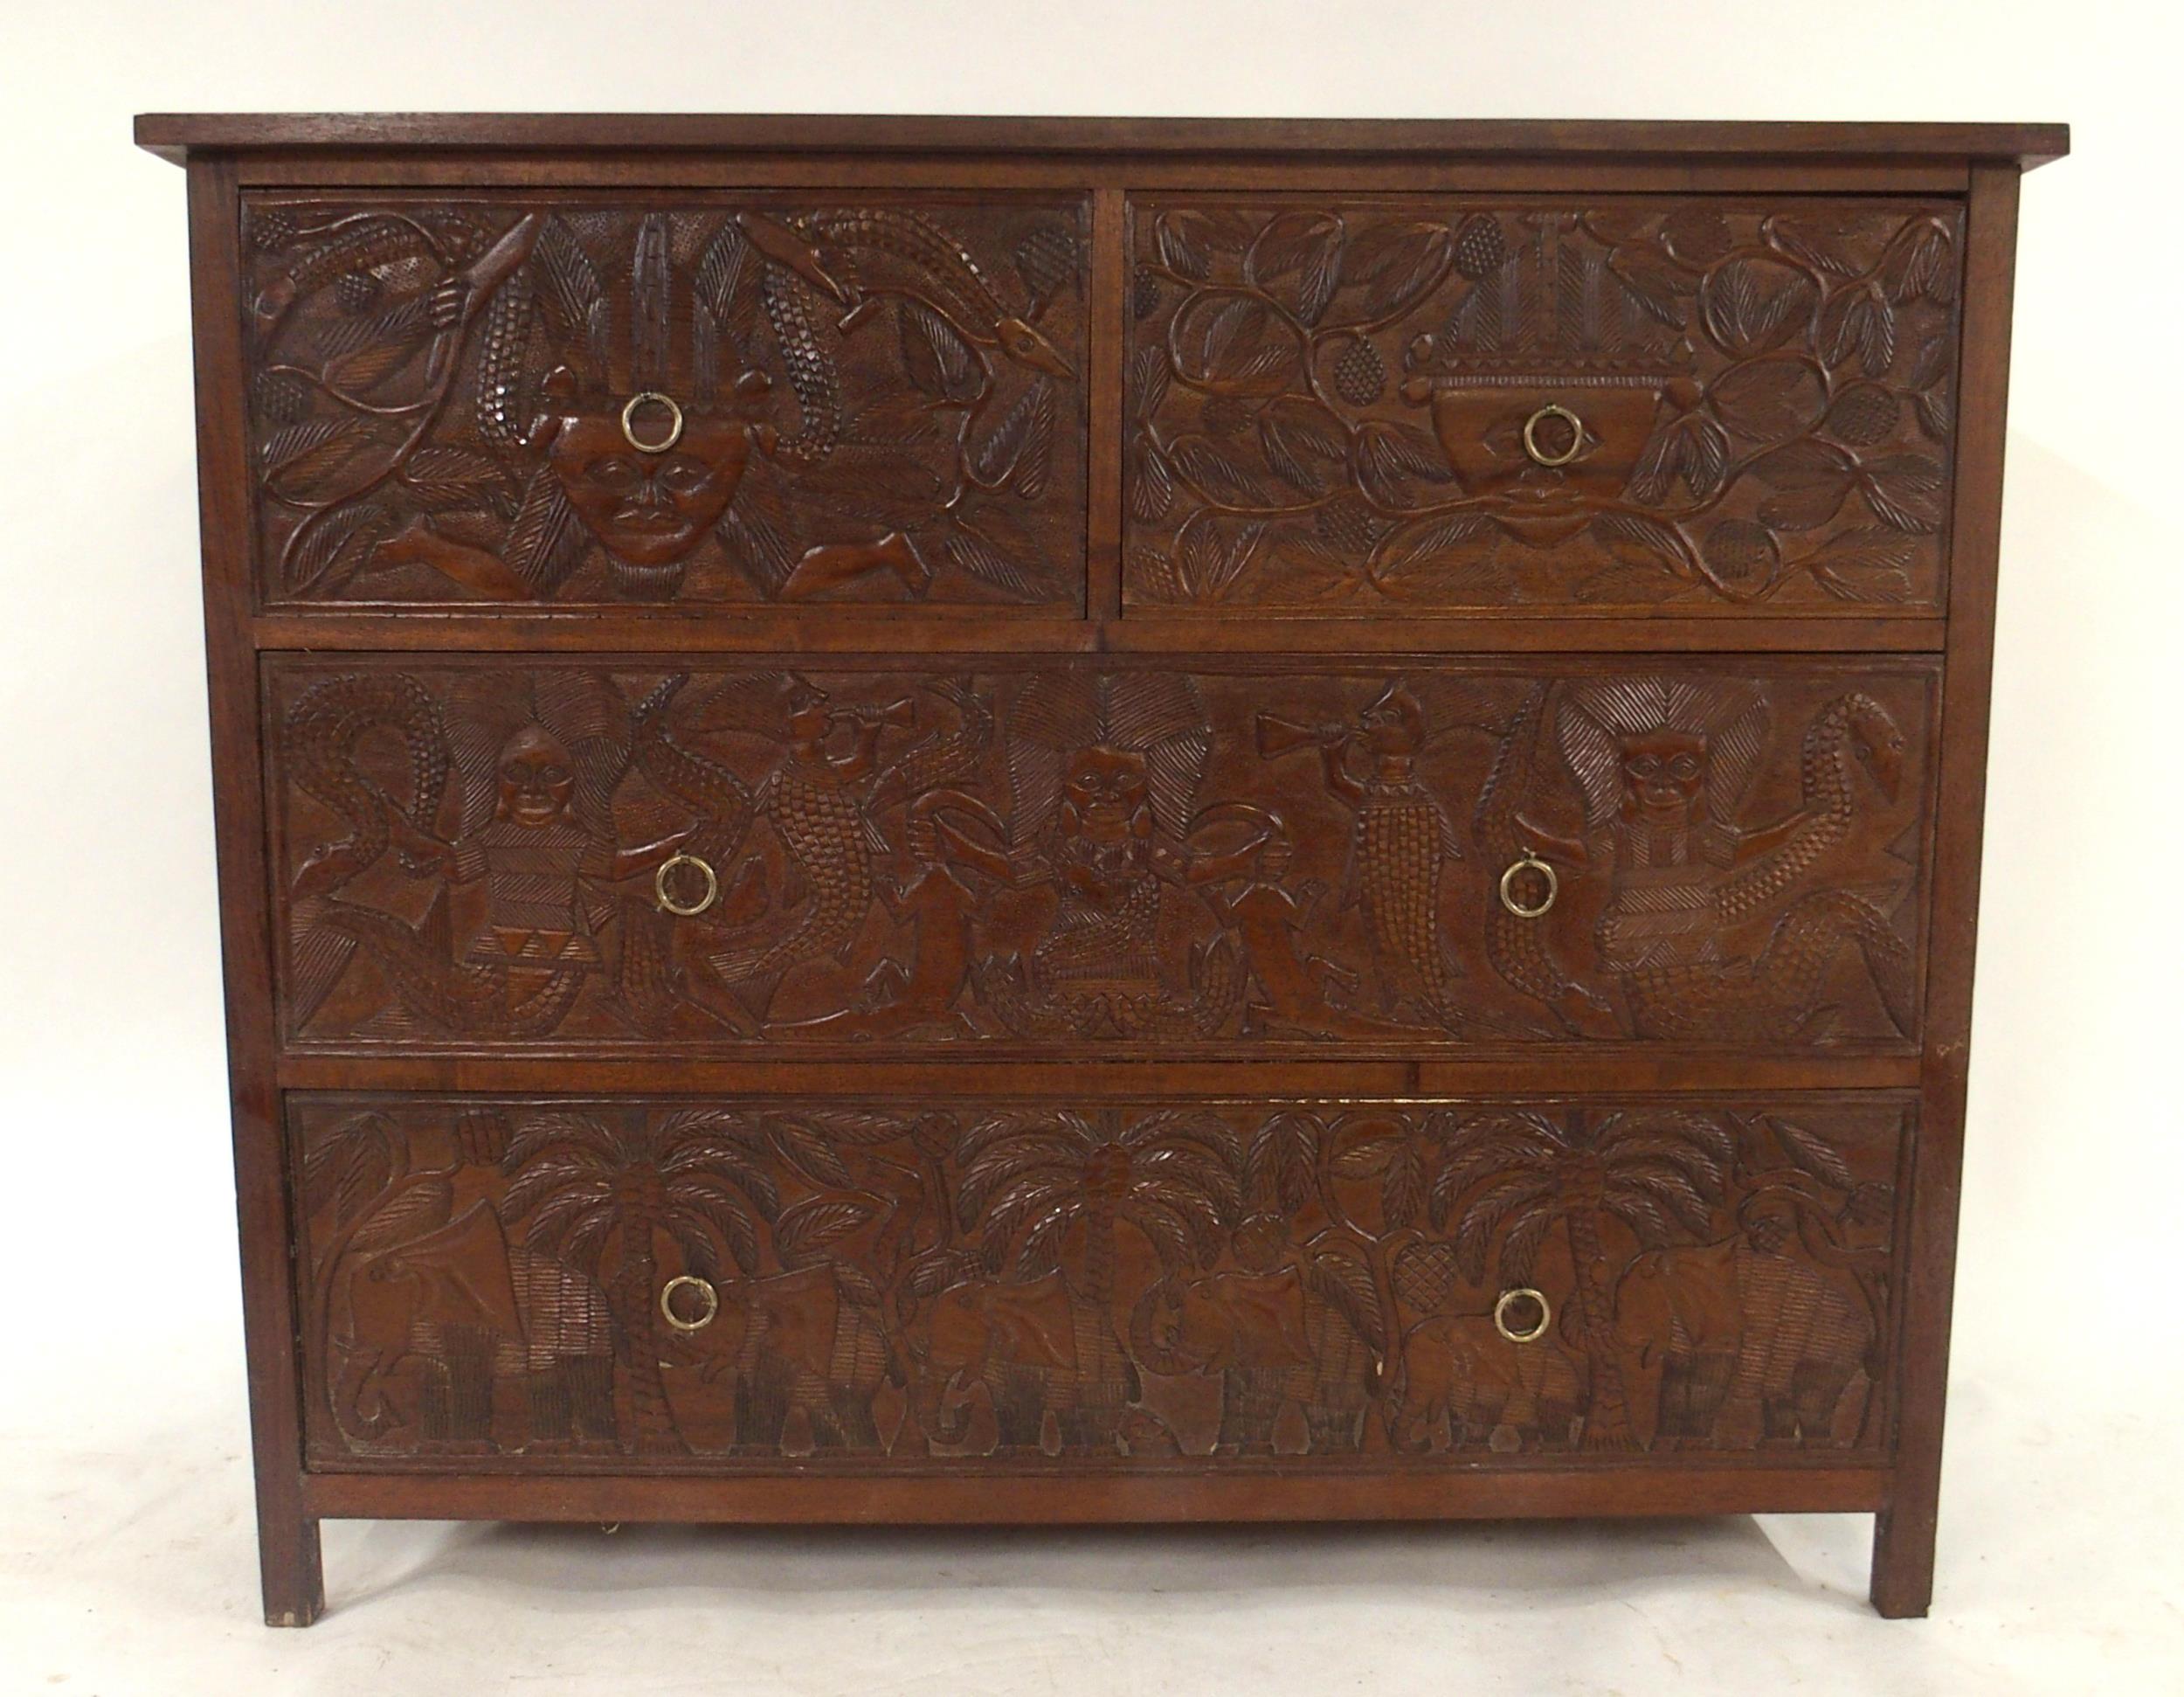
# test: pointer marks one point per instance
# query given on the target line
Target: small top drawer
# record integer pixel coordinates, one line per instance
(698, 399)
(1349, 405)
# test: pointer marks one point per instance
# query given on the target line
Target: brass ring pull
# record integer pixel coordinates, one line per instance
(1508, 880)
(1539, 455)
(668, 905)
(674, 423)
(707, 1295)
(1509, 1299)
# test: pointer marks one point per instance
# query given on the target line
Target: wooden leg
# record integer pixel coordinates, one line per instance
(1904, 1561)
(288, 1570)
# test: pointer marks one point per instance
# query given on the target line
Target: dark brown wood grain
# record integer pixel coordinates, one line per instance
(707, 1284)
(881, 401)
(293, 1588)
(1568, 140)
(1903, 1546)
(1119, 859)
(1108, 956)
(1396, 405)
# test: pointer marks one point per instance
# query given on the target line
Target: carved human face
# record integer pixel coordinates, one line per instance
(649, 508)
(1105, 797)
(537, 779)
(1664, 777)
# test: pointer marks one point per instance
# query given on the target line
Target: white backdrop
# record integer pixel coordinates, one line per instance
(116, 1256)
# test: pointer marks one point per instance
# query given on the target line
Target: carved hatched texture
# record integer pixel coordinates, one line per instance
(494, 1281)
(882, 398)
(1100, 856)
(1327, 403)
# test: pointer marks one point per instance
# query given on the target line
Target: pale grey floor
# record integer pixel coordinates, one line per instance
(126, 1567)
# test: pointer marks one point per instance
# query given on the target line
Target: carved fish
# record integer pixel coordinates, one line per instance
(1397, 847)
(815, 812)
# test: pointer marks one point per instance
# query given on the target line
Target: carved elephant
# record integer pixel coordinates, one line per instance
(1507, 1394)
(795, 1342)
(1274, 1342)
(452, 1337)
(1037, 1348)
(1738, 1345)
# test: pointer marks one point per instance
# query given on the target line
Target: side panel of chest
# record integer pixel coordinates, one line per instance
(1075, 855)
(574, 400)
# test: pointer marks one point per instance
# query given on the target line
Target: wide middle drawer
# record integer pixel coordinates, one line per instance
(1066, 858)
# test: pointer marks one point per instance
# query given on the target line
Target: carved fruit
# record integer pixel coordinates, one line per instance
(1144, 297)
(1360, 373)
(1481, 246)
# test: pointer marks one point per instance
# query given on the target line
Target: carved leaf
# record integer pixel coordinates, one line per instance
(1280, 1162)
(1858, 325)
(971, 550)
(1148, 383)
(1390, 266)
(1646, 544)
(546, 540)
(992, 459)
(1303, 441)
(1208, 561)
(809, 1154)
(936, 360)
(1811, 480)
(335, 544)
(1905, 491)
(1232, 341)
(1866, 565)
(1183, 239)
(1814, 1153)
(1150, 481)
(1697, 235)
(1403, 1190)
(1297, 261)
(1750, 306)
(813, 1225)
(1770, 400)
(1387, 458)
(1348, 1285)
(1216, 473)
(1920, 264)
(1653, 283)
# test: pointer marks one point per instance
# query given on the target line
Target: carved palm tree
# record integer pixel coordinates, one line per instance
(1171, 1175)
(1515, 1175)
(601, 1196)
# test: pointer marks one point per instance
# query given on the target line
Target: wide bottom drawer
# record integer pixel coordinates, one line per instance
(976, 1285)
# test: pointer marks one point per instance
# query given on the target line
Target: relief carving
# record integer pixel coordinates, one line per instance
(1447, 404)
(579, 403)
(604, 1283)
(1106, 855)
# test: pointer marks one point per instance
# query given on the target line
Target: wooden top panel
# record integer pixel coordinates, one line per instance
(173, 136)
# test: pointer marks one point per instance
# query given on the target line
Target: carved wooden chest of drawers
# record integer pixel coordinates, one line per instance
(968, 821)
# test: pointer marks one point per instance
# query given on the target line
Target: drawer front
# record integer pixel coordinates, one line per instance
(1088, 856)
(878, 398)
(714, 1283)
(1349, 406)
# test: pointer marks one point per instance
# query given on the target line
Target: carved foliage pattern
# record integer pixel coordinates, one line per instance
(881, 399)
(1123, 1284)
(1100, 856)
(1327, 402)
